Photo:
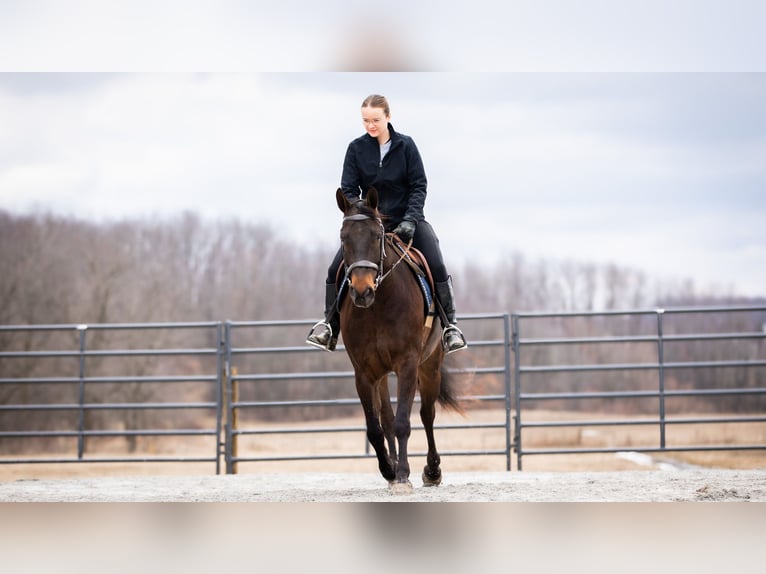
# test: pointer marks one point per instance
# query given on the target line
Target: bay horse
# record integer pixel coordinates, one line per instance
(384, 330)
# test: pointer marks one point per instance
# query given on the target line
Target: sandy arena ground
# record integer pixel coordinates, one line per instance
(617, 477)
(694, 485)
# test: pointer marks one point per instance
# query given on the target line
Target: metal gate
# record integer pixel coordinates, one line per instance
(293, 365)
(733, 335)
(239, 378)
(79, 362)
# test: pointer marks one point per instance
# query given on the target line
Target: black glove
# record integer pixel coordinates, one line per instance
(405, 230)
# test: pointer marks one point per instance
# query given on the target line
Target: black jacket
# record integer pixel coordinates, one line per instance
(400, 179)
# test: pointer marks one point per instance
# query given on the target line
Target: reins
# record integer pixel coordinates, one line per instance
(404, 254)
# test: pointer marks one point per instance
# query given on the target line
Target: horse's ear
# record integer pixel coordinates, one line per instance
(342, 200)
(372, 198)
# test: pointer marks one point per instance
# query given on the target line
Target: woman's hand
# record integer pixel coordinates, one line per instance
(405, 230)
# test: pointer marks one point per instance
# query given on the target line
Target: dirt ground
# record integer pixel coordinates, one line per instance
(696, 485)
(625, 476)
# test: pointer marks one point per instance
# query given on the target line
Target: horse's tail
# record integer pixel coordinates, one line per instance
(448, 391)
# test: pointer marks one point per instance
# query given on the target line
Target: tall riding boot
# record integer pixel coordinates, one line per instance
(325, 333)
(452, 338)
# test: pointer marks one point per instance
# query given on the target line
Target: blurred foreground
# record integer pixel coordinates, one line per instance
(371, 538)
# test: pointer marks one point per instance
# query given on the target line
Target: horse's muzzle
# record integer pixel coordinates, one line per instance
(362, 290)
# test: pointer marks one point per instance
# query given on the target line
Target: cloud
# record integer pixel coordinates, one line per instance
(595, 167)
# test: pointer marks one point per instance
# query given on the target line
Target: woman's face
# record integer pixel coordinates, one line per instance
(375, 121)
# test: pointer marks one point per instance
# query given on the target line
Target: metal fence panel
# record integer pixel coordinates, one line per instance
(239, 373)
(661, 366)
(149, 333)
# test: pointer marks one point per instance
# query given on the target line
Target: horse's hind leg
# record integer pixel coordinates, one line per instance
(371, 407)
(430, 380)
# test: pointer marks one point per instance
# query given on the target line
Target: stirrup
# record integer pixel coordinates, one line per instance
(332, 340)
(451, 349)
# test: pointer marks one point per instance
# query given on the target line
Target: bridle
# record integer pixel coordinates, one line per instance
(366, 263)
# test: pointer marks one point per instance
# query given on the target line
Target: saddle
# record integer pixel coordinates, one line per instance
(419, 267)
(416, 262)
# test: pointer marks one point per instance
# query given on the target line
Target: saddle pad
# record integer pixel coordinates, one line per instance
(427, 294)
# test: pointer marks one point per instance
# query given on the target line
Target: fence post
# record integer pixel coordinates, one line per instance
(227, 396)
(517, 387)
(220, 377)
(234, 419)
(82, 329)
(507, 342)
(661, 366)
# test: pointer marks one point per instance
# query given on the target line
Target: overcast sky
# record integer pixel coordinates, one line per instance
(661, 172)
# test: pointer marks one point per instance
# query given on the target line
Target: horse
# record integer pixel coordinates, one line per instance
(384, 330)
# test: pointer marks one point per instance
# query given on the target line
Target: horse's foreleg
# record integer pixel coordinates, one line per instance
(387, 416)
(375, 434)
(407, 385)
(429, 392)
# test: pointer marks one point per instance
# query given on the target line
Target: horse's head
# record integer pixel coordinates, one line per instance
(362, 238)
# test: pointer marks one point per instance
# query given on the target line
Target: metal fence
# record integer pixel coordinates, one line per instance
(229, 375)
(246, 377)
(79, 383)
(658, 339)
(495, 364)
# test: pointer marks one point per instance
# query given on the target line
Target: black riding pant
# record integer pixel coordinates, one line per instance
(425, 241)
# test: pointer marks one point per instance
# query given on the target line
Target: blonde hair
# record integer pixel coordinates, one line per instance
(377, 101)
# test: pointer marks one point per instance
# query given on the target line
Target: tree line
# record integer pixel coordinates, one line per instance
(58, 269)
(62, 270)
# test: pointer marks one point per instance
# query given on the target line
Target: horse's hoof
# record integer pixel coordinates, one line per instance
(399, 488)
(431, 481)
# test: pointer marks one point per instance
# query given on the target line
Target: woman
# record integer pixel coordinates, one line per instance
(390, 162)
